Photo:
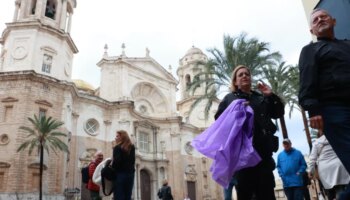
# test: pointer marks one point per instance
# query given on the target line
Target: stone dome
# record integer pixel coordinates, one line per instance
(194, 54)
(83, 85)
(193, 50)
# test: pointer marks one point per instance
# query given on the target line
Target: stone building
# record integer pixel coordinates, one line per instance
(135, 94)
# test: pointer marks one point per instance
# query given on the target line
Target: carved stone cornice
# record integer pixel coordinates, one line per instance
(44, 102)
(9, 100)
(36, 165)
(5, 165)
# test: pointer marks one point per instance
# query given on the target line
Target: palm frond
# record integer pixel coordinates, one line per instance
(217, 71)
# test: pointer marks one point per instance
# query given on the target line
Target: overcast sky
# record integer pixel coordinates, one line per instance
(170, 28)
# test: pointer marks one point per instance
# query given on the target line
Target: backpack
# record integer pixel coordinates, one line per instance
(160, 195)
(85, 174)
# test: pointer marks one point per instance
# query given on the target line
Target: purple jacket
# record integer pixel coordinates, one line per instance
(229, 142)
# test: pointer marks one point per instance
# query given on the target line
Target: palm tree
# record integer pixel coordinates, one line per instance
(284, 81)
(43, 136)
(294, 87)
(277, 76)
(216, 73)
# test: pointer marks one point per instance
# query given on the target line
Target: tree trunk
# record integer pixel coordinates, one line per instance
(283, 127)
(306, 128)
(41, 172)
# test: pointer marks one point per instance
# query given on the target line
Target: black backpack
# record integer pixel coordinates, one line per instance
(160, 195)
(85, 174)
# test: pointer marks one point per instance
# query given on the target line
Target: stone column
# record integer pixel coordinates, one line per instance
(74, 155)
(107, 130)
(15, 16)
(137, 188)
(63, 16)
(69, 22)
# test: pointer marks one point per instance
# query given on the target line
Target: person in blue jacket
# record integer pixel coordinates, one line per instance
(291, 166)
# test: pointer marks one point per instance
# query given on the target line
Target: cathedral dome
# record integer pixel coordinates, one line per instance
(83, 85)
(194, 54)
(194, 50)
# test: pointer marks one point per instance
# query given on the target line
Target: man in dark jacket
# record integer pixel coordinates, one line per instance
(325, 85)
(165, 191)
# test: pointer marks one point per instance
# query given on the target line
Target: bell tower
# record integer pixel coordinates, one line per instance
(38, 38)
(189, 66)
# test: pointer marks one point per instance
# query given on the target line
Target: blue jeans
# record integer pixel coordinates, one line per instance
(228, 191)
(294, 193)
(336, 121)
(123, 185)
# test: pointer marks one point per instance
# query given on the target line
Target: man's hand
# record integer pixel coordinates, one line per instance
(316, 122)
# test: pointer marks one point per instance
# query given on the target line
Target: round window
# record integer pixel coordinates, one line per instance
(4, 139)
(92, 127)
(188, 148)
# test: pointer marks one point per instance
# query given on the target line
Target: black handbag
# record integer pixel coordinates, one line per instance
(108, 172)
(108, 175)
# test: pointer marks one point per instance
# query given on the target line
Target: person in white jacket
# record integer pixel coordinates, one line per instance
(331, 171)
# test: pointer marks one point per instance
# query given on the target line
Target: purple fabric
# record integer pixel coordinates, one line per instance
(229, 142)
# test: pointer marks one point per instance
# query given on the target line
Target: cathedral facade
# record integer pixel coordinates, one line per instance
(135, 94)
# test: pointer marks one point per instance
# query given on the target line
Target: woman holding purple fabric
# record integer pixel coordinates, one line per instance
(257, 181)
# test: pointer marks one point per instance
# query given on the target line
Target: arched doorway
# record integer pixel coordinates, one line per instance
(191, 188)
(145, 185)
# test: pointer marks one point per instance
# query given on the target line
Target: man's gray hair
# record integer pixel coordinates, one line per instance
(320, 9)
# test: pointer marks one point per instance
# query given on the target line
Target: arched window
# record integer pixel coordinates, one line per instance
(187, 80)
(50, 10)
(33, 7)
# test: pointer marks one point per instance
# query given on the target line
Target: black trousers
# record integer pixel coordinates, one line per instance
(257, 182)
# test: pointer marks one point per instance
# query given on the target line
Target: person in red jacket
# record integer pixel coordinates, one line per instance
(91, 186)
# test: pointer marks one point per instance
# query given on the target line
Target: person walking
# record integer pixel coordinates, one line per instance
(331, 171)
(91, 186)
(165, 191)
(259, 180)
(291, 166)
(325, 85)
(124, 165)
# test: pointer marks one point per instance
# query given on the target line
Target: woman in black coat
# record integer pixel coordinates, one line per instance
(259, 180)
(124, 165)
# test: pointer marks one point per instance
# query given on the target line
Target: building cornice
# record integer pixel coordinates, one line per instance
(37, 24)
(70, 86)
(112, 61)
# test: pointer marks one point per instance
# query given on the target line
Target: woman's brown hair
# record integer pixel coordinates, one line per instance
(124, 140)
(233, 78)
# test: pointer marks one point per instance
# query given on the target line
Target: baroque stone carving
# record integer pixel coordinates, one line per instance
(19, 53)
(190, 173)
